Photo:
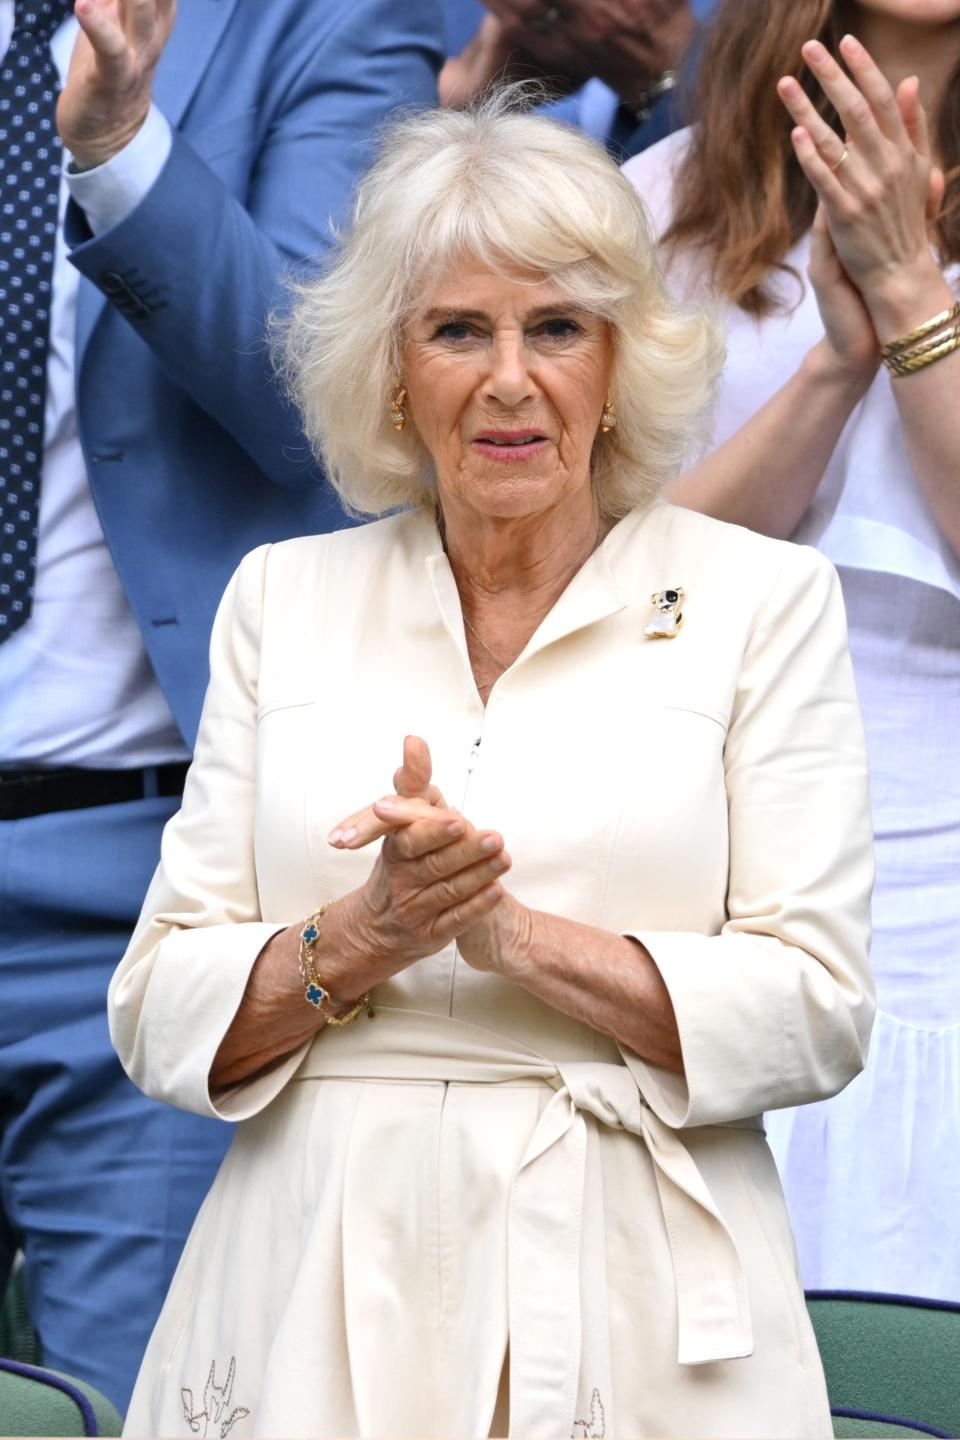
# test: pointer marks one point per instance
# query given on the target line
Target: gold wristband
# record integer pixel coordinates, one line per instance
(923, 355)
(937, 322)
(315, 991)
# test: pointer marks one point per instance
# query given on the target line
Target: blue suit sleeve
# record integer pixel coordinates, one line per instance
(198, 267)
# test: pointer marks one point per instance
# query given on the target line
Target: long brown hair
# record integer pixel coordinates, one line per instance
(740, 193)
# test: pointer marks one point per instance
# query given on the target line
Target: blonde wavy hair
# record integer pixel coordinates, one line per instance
(521, 195)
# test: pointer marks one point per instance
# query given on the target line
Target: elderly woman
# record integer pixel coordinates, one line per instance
(499, 1041)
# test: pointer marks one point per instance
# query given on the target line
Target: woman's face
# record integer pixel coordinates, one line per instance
(506, 382)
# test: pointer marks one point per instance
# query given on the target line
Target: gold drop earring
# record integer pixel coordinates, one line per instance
(608, 420)
(398, 415)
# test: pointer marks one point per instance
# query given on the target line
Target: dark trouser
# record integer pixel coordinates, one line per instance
(98, 1185)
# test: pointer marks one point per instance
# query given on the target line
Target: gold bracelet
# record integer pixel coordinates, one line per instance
(924, 355)
(315, 992)
(938, 322)
(922, 349)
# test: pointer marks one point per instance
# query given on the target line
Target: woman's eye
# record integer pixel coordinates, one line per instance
(559, 329)
(452, 330)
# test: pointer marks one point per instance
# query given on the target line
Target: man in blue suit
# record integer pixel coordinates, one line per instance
(144, 447)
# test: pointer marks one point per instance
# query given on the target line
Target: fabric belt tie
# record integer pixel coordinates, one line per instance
(553, 1220)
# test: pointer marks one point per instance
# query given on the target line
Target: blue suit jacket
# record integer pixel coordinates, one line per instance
(193, 456)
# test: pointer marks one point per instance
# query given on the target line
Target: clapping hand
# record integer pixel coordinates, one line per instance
(878, 193)
(110, 83)
(623, 42)
(436, 875)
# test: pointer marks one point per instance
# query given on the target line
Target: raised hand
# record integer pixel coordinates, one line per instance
(110, 83)
(436, 875)
(878, 188)
(623, 42)
(483, 59)
(846, 320)
(414, 776)
(413, 780)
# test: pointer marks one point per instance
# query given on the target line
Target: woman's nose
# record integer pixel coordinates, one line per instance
(508, 379)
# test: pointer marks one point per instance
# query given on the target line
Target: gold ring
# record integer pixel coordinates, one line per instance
(835, 168)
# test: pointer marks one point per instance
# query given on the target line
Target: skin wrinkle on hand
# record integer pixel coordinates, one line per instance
(109, 85)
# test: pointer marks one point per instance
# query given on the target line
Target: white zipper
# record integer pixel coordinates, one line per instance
(472, 760)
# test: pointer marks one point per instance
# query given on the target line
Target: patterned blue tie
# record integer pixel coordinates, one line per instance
(30, 154)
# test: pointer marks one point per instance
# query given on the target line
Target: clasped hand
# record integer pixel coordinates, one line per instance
(624, 44)
(436, 878)
(878, 194)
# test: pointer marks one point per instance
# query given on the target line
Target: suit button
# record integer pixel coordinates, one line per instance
(113, 284)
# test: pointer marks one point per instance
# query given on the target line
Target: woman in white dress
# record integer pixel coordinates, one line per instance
(819, 441)
(499, 1067)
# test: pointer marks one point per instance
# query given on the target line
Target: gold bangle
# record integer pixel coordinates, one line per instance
(900, 365)
(924, 348)
(904, 362)
(938, 322)
(315, 991)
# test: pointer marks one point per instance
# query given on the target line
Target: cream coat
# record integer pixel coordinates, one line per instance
(470, 1166)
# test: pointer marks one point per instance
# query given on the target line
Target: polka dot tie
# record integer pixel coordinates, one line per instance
(30, 155)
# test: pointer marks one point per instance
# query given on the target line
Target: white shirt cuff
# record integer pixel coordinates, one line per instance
(110, 192)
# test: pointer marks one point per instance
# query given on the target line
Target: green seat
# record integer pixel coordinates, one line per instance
(34, 1401)
(892, 1362)
(856, 1428)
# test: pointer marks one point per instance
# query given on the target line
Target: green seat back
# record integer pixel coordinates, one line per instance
(41, 1402)
(35, 1401)
(890, 1361)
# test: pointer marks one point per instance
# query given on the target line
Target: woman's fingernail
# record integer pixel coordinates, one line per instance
(814, 51)
(347, 835)
(455, 827)
(491, 842)
(498, 864)
(383, 805)
(850, 42)
(336, 836)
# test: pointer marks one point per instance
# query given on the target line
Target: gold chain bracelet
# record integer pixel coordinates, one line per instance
(928, 343)
(315, 991)
(945, 317)
(924, 355)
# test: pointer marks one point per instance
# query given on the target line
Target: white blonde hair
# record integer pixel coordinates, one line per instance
(516, 193)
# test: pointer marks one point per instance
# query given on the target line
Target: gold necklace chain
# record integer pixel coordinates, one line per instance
(504, 664)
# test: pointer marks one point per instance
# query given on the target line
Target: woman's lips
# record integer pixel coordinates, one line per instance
(510, 445)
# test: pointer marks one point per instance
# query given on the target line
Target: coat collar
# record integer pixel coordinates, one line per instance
(622, 567)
